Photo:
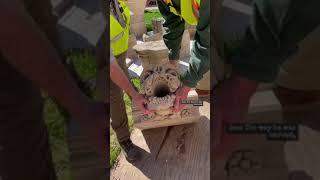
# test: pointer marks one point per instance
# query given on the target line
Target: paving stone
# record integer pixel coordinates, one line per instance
(81, 27)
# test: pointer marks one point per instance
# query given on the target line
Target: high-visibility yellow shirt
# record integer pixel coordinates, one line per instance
(189, 10)
(119, 34)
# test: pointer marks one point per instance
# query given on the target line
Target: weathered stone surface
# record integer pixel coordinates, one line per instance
(152, 37)
(137, 19)
(167, 117)
(157, 25)
(161, 103)
(159, 79)
(185, 45)
(152, 53)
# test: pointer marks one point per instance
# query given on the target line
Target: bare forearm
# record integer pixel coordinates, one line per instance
(28, 50)
(120, 79)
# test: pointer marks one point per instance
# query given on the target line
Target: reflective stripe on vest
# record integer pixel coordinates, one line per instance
(189, 10)
(119, 36)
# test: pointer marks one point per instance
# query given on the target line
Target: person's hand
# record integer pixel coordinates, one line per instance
(230, 102)
(181, 94)
(93, 122)
(141, 102)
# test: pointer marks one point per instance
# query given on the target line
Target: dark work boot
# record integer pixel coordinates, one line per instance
(130, 151)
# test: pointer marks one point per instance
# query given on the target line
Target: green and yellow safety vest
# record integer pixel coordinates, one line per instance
(189, 10)
(119, 35)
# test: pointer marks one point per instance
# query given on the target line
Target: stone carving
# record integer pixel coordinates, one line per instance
(161, 103)
(157, 31)
(165, 114)
(151, 37)
(159, 83)
(185, 113)
(242, 162)
(157, 25)
(152, 53)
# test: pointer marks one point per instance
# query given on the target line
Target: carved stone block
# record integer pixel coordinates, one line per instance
(159, 84)
(152, 53)
(152, 37)
(160, 81)
(166, 117)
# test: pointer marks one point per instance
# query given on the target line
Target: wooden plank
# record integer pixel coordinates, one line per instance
(185, 154)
